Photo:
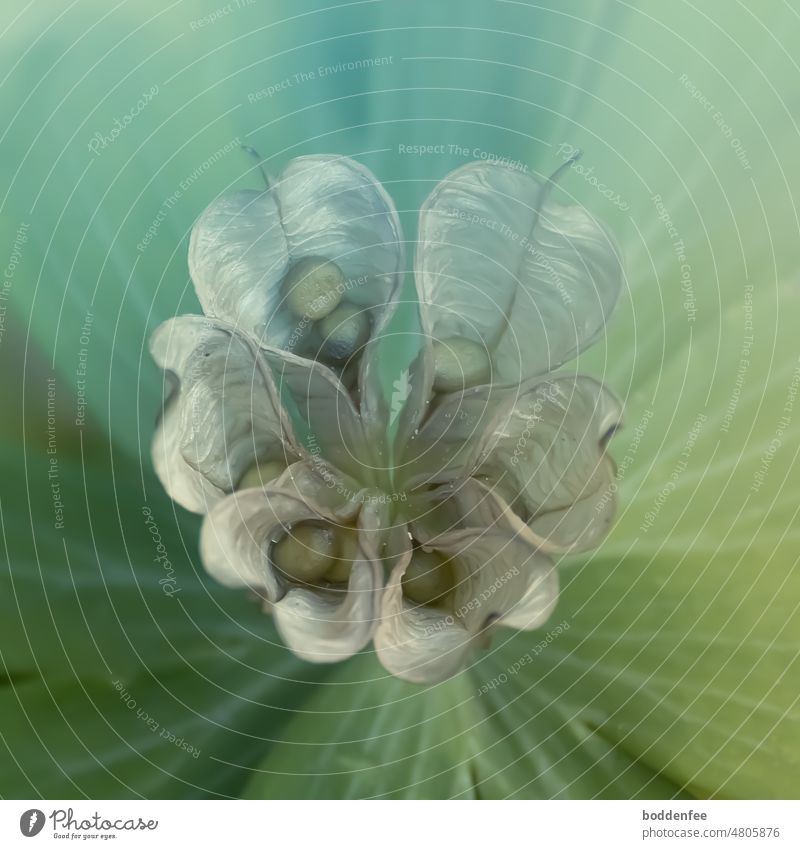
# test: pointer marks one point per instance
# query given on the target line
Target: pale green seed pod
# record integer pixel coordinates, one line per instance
(262, 474)
(458, 364)
(313, 287)
(306, 552)
(344, 331)
(428, 578)
(347, 553)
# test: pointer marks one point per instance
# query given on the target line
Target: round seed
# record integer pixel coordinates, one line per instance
(306, 552)
(313, 287)
(428, 578)
(347, 553)
(344, 331)
(458, 364)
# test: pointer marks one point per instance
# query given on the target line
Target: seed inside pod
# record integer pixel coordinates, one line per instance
(428, 578)
(347, 553)
(344, 331)
(306, 552)
(458, 364)
(313, 287)
(261, 474)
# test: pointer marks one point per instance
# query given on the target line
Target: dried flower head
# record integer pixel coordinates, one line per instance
(420, 510)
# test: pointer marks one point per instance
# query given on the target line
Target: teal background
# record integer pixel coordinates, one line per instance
(678, 672)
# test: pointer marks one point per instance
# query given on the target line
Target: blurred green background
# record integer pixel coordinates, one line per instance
(678, 673)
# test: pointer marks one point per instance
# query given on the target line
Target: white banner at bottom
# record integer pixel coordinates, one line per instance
(387, 824)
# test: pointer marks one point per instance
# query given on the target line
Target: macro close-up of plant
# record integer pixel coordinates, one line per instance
(401, 402)
(353, 534)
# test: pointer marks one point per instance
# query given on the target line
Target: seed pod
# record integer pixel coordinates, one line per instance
(459, 364)
(306, 551)
(428, 578)
(313, 287)
(344, 331)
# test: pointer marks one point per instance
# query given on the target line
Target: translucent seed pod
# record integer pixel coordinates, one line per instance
(428, 578)
(313, 287)
(459, 364)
